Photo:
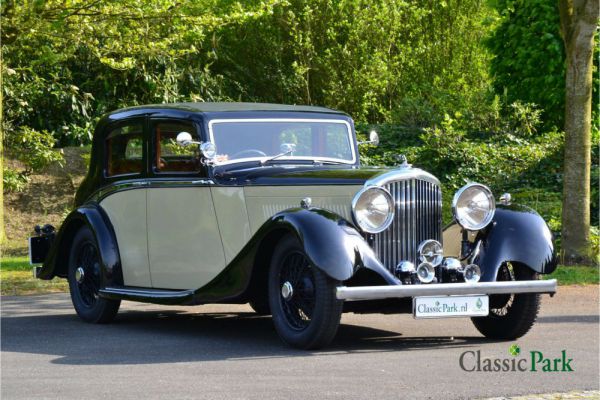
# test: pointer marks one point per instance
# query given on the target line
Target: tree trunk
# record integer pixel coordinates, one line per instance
(578, 24)
(2, 230)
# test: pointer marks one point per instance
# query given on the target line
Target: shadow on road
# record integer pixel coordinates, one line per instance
(167, 336)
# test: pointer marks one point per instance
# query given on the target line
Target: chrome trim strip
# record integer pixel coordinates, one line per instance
(401, 174)
(112, 188)
(444, 289)
(351, 139)
(156, 293)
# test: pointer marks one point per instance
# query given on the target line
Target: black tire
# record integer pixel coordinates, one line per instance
(512, 315)
(261, 308)
(84, 292)
(310, 316)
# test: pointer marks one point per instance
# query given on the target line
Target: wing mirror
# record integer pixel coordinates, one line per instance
(208, 149)
(185, 139)
(373, 139)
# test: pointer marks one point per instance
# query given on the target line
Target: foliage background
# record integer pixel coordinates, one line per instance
(468, 89)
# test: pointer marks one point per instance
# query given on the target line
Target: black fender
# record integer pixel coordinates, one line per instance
(331, 243)
(94, 217)
(516, 234)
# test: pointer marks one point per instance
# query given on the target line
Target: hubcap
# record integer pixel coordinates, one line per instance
(79, 275)
(287, 290)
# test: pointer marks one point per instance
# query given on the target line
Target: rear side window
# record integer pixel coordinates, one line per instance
(168, 155)
(124, 150)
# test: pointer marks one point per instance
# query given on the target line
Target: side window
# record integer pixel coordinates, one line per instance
(124, 150)
(168, 155)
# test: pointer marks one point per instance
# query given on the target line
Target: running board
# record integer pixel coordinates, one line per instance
(445, 289)
(157, 296)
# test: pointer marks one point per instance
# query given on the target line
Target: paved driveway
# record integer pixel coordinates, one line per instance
(227, 352)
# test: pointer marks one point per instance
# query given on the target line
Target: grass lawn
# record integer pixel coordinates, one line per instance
(16, 278)
(575, 275)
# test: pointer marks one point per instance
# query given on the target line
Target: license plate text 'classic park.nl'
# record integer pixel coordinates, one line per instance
(451, 306)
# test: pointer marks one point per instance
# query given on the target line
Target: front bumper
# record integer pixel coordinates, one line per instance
(445, 289)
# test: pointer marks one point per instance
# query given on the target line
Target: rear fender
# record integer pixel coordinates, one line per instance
(92, 216)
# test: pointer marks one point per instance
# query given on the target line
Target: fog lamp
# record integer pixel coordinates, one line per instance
(425, 272)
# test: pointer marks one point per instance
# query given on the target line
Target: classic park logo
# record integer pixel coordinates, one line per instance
(533, 361)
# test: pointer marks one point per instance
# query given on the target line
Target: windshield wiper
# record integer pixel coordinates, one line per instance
(286, 148)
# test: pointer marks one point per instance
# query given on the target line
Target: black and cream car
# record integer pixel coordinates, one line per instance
(268, 204)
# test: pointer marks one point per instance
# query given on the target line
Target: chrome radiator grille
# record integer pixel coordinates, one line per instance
(418, 216)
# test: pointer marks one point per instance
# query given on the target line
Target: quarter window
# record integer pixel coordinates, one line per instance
(169, 156)
(124, 147)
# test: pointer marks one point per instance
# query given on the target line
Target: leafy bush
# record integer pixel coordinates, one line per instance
(34, 149)
(14, 181)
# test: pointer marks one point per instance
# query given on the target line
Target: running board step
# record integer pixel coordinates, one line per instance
(157, 296)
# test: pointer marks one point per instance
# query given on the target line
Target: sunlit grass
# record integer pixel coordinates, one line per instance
(575, 275)
(16, 278)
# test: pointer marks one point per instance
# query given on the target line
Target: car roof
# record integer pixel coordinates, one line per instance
(210, 107)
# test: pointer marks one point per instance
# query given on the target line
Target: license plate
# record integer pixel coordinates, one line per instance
(450, 306)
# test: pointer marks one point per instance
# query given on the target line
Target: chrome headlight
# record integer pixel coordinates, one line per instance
(430, 251)
(473, 206)
(373, 209)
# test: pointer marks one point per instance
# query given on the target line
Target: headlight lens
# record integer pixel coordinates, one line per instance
(473, 206)
(373, 209)
(431, 251)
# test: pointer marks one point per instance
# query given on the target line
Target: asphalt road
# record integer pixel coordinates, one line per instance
(227, 352)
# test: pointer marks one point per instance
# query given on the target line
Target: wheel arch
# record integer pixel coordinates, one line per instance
(92, 216)
(330, 242)
(517, 235)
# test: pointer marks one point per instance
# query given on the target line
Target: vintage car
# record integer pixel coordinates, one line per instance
(268, 204)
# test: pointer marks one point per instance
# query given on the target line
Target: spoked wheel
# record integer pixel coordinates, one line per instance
(305, 310)
(511, 315)
(85, 279)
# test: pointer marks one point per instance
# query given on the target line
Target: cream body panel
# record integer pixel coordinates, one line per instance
(127, 213)
(262, 202)
(234, 225)
(184, 243)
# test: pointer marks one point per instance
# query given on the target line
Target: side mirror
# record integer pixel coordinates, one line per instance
(184, 139)
(373, 139)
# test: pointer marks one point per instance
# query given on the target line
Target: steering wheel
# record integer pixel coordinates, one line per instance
(248, 153)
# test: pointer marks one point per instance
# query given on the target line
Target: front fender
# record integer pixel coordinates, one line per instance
(517, 234)
(330, 242)
(92, 216)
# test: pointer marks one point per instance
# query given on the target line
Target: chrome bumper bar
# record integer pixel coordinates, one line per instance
(444, 289)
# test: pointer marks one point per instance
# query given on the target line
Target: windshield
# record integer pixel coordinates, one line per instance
(289, 139)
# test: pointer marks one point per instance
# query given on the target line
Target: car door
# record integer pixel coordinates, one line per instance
(184, 244)
(125, 203)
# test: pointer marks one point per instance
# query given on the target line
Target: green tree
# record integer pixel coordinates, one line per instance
(528, 63)
(579, 22)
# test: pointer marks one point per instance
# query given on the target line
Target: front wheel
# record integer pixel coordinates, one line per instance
(511, 315)
(84, 278)
(302, 299)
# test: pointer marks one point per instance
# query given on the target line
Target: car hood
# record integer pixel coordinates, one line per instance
(284, 175)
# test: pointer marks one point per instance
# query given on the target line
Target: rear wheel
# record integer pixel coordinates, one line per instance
(305, 310)
(511, 315)
(84, 278)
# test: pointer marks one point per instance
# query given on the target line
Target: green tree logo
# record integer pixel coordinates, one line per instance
(479, 304)
(514, 350)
